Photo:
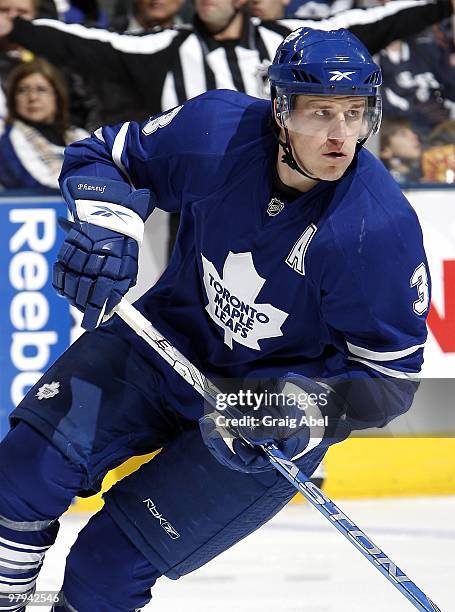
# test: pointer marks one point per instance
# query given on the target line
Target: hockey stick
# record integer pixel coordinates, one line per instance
(287, 468)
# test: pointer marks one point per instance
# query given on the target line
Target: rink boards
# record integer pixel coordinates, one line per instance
(360, 468)
(35, 322)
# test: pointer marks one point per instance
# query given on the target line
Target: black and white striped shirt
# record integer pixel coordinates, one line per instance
(138, 75)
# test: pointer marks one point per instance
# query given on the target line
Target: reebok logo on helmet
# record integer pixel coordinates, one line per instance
(338, 76)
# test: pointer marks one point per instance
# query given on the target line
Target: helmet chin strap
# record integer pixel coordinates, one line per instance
(289, 159)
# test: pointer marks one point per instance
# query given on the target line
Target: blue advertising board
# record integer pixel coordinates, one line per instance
(35, 323)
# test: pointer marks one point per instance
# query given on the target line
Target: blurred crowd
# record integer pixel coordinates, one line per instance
(67, 67)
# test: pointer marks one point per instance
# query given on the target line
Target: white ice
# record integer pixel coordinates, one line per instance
(299, 563)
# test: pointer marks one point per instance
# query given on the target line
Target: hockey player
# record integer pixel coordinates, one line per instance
(298, 263)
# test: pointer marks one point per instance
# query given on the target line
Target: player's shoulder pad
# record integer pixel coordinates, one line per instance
(217, 122)
(373, 212)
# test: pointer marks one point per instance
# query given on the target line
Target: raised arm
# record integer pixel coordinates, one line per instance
(379, 26)
(93, 53)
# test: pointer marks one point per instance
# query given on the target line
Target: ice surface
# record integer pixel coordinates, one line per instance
(299, 563)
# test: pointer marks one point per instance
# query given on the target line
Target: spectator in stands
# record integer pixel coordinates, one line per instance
(438, 160)
(401, 150)
(12, 54)
(27, 9)
(36, 129)
(418, 81)
(148, 16)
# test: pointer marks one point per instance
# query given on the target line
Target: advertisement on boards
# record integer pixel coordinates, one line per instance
(35, 323)
(436, 211)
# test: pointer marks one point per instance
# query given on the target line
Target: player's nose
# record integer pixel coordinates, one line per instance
(337, 128)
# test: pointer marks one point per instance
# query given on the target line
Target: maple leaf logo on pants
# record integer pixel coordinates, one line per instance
(232, 302)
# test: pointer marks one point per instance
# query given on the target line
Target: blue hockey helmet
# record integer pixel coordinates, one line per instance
(324, 63)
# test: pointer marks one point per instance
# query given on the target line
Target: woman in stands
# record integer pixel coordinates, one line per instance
(36, 129)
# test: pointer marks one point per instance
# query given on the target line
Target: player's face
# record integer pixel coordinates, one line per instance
(267, 9)
(18, 8)
(35, 99)
(324, 133)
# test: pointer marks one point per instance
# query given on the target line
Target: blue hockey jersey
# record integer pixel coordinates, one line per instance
(334, 285)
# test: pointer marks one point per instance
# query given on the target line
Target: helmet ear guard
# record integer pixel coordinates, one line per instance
(280, 107)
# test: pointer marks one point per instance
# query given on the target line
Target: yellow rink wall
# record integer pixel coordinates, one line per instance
(382, 467)
(359, 467)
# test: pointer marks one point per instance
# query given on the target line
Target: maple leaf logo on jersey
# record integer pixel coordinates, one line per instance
(232, 302)
(48, 390)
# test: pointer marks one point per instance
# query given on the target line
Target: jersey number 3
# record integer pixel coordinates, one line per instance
(419, 280)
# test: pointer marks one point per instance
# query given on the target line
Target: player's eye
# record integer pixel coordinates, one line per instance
(322, 113)
(353, 114)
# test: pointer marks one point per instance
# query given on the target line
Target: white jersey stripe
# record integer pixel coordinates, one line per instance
(99, 134)
(386, 371)
(148, 44)
(169, 96)
(28, 580)
(249, 65)
(218, 63)
(192, 62)
(271, 41)
(16, 568)
(8, 554)
(16, 588)
(117, 149)
(24, 546)
(359, 351)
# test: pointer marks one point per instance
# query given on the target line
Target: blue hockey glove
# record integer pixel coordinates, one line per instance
(97, 262)
(303, 414)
